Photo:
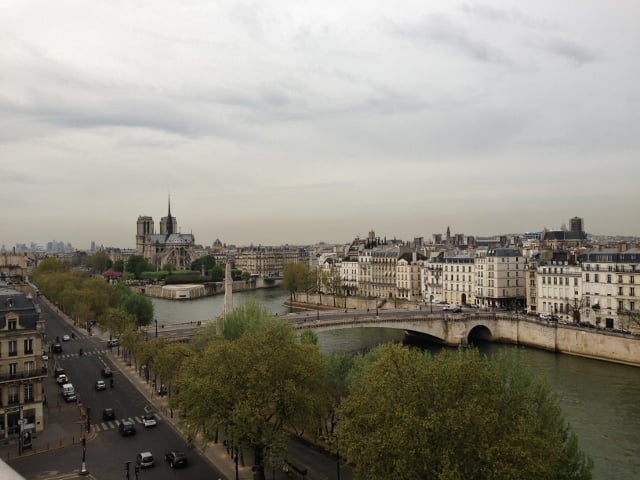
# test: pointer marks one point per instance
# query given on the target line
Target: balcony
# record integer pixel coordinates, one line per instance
(21, 375)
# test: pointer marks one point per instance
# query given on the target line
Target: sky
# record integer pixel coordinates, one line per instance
(293, 122)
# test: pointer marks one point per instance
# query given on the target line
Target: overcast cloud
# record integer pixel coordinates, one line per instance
(292, 121)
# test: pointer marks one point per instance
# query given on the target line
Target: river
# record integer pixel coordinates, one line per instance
(601, 400)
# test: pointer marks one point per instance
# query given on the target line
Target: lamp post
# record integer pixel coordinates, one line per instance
(156, 320)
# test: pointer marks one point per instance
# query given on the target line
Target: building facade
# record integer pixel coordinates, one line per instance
(21, 364)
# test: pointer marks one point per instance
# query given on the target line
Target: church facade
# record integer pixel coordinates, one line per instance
(166, 247)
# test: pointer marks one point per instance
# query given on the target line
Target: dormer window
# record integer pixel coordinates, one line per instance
(13, 325)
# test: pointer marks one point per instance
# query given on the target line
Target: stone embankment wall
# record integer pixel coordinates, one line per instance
(191, 291)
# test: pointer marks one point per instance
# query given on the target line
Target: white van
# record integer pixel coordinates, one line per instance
(68, 392)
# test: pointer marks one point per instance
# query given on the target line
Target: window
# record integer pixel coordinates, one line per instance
(632, 306)
(587, 277)
(13, 348)
(631, 279)
(596, 278)
(29, 368)
(632, 291)
(619, 278)
(28, 346)
(575, 281)
(14, 394)
(608, 278)
(13, 369)
(13, 324)
(28, 392)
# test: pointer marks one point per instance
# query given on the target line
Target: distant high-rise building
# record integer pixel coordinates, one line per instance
(576, 224)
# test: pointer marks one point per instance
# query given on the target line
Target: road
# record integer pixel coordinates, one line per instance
(106, 451)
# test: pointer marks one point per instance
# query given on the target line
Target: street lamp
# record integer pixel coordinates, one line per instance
(156, 320)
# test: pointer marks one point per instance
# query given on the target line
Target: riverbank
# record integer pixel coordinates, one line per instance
(199, 290)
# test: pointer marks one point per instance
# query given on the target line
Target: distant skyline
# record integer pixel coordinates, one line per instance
(273, 122)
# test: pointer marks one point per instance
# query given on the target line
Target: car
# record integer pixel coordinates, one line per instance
(532, 313)
(126, 428)
(149, 420)
(176, 459)
(114, 342)
(66, 338)
(62, 379)
(100, 385)
(455, 310)
(544, 316)
(108, 414)
(57, 372)
(57, 348)
(144, 460)
(107, 372)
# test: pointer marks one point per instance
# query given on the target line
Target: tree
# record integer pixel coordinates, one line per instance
(99, 261)
(296, 277)
(117, 320)
(253, 387)
(247, 318)
(167, 267)
(136, 264)
(332, 282)
(118, 266)
(208, 261)
(217, 273)
(455, 416)
(140, 307)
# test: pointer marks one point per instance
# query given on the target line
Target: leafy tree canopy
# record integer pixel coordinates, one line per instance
(217, 273)
(140, 307)
(208, 261)
(136, 264)
(455, 416)
(297, 277)
(99, 261)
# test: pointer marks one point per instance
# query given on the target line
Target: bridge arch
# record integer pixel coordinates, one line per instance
(479, 332)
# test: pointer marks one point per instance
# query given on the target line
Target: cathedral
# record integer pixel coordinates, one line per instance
(167, 247)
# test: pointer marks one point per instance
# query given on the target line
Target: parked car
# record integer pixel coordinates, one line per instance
(144, 460)
(544, 316)
(114, 342)
(149, 420)
(62, 379)
(108, 414)
(126, 428)
(176, 459)
(66, 338)
(57, 348)
(57, 372)
(107, 372)
(100, 385)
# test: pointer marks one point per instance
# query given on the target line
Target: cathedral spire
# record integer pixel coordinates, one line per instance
(169, 219)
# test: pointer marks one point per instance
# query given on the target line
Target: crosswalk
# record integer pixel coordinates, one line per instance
(113, 424)
(77, 353)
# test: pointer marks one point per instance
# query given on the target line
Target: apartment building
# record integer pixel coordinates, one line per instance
(610, 280)
(383, 271)
(458, 279)
(559, 290)
(500, 280)
(431, 279)
(408, 268)
(268, 261)
(21, 372)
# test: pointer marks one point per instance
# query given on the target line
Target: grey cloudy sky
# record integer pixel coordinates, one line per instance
(291, 121)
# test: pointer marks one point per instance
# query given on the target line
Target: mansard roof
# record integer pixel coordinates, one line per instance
(13, 301)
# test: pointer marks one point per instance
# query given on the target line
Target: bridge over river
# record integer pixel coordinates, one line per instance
(461, 329)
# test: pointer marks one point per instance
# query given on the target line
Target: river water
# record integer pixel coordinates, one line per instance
(601, 400)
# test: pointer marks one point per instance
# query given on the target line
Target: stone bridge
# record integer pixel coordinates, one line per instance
(461, 329)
